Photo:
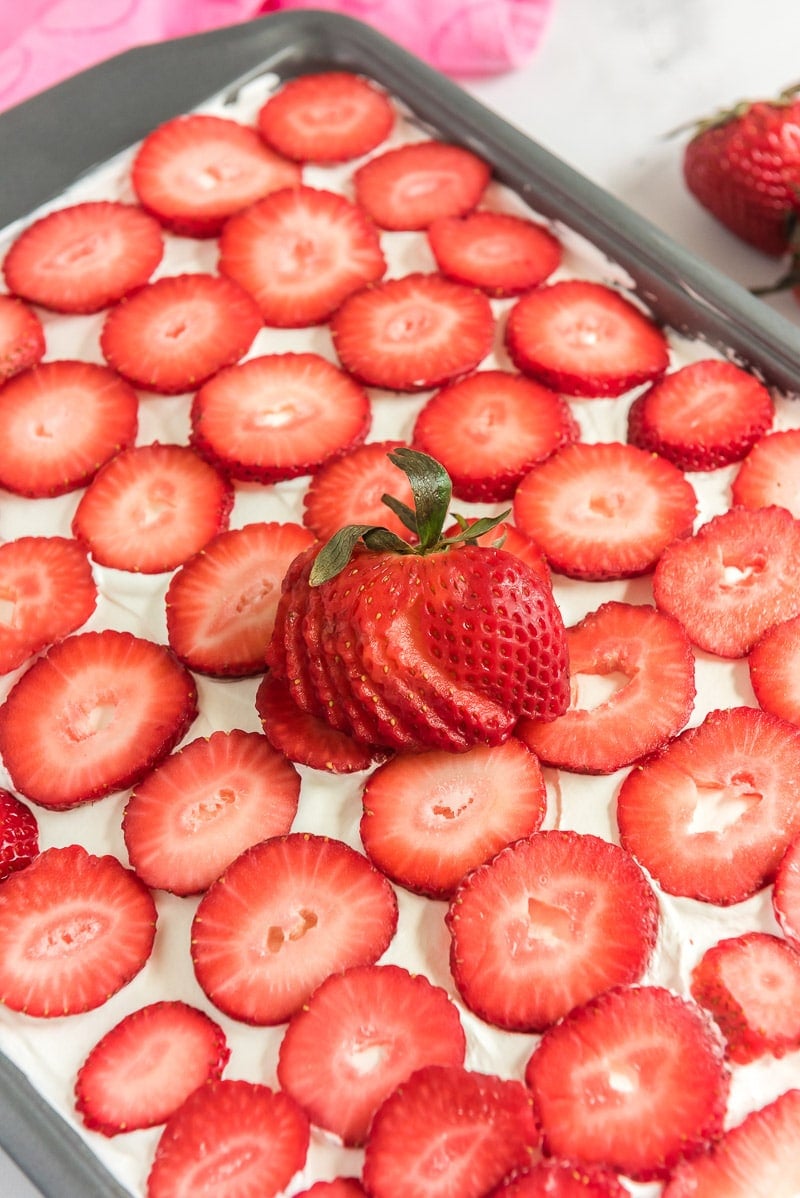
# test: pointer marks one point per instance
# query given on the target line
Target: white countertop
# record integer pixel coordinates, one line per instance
(609, 81)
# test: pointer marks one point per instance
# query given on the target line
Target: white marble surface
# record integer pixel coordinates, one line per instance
(609, 81)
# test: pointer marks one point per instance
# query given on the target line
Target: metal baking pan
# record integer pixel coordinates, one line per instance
(51, 140)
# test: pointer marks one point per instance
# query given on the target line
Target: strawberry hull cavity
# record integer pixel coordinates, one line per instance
(399, 712)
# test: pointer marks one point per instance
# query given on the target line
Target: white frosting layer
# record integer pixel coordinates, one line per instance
(50, 1052)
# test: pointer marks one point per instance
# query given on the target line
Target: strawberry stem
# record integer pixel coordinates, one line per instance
(432, 491)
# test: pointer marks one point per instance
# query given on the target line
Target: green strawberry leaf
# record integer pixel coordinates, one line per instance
(432, 490)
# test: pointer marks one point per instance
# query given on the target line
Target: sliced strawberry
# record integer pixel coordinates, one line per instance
(770, 474)
(331, 116)
(349, 489)
(361, 1034)
(173, 334)
(305, 738)
(732, 580)
(93, 716)
(774, 666)
(232, 1139)
(59, 422)
(751, 985)
(47, 590)
(285, 915)
(412, 333)
(448, 1131)
(489, 429)
(585, 338)
(150, 508)
(74, 929)
(509, 537)
(85, 257)
(710, 815)
(786, 893)
(604, 510)
(19, 834)
(410, 186)
(221, 602)
(551, 921)
(299, 252)
(757, 1158)
(632, 675)
(22, 342)
(431, 817)
(705, 415)
(562, 1179)
(278, 416)
(204, 805)
(610, 1082)
(195, 171)
(502, 254)
(147, 1065)
(286, 654)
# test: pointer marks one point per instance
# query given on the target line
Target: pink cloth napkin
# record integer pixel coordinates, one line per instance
(44, 41)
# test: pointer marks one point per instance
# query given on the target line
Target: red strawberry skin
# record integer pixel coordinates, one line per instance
(147, 1065)
(744, 168)
(19, 834)
(74, 929)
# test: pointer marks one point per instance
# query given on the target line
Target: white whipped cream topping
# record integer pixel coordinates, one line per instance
(51, 1051)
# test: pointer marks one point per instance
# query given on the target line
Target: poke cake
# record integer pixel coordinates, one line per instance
(400, 732)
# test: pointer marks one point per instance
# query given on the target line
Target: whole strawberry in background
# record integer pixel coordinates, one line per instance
(743, 166)
(435, 642)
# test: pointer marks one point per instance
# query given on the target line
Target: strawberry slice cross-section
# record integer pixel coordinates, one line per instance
(604, 510)
(554, 919)
(59, 423)
(409, 186)
(19, 834)
(489, 429)
(233, 1139)
(74, 929)
(283, 916)
(195, 171)
(84, 257)
(711, 814)
(278, 416)
(502, 254)
(326, 116)
(412, 333)
(92, 716)
(152, 507)
(362, 1033)
(431, 817)
(635, 1080)
(204, 805)
(770, 474)
(448, 1130)
(299, 252)
(363, 474)
(584, 338)
(632, 688)
(173, 334)
(47, 590)
(147, 1065)
(221, 602)
(22, 342)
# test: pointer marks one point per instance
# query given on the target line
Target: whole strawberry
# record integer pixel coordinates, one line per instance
(433, 643)
(19, 834)
(743, 165)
